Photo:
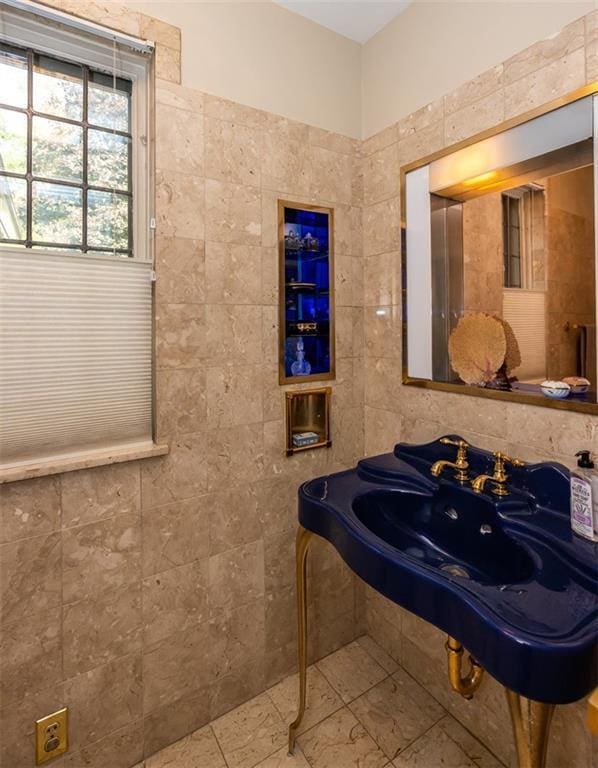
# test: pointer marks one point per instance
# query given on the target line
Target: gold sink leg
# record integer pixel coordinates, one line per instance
(592, 719)
(301, 548)
(531, 726)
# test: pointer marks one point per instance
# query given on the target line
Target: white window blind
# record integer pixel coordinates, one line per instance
(75, 352)
(55, 16)
(525, 311)
(76, 348)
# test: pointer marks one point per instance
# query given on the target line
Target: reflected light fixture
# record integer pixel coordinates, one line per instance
(477, 181)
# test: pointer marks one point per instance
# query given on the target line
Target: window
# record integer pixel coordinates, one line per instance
(65, 165)
(76, 288)
(512, 241)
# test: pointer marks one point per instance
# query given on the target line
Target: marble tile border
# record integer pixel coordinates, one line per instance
(86, 460)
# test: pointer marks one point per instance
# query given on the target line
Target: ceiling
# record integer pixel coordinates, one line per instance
(356, 20)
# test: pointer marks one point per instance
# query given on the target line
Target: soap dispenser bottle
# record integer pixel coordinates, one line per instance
(584, 497)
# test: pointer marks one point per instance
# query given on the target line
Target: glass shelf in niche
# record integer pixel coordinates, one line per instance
(306, 290)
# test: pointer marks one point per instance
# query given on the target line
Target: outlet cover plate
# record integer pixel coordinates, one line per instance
(51, 736)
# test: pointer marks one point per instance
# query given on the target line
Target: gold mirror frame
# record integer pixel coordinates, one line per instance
(467, 389)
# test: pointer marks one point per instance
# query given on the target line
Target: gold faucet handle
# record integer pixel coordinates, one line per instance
(500, 476)
(461, 446)
(458, 443)
(500, 459)
(516, 462)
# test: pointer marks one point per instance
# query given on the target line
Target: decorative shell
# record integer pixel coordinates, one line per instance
(477, 348)
(513, 355)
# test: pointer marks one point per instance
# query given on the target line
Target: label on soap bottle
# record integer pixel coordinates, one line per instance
(581, 507)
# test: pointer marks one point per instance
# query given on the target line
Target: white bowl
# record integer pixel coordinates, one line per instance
(555, 389)
(579, 385)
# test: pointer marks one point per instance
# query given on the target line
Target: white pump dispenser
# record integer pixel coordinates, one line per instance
(584, 497)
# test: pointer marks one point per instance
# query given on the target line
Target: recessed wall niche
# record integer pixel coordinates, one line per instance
(308, 419)
(306, 293)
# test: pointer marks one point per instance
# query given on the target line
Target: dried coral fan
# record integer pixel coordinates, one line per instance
(477, 348)
(513, 354)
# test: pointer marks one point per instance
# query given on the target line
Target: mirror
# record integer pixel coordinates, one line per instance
(501, 259)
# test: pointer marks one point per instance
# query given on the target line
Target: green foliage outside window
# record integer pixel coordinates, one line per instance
(74, 158)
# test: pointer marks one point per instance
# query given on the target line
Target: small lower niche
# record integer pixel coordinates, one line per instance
(308, 420)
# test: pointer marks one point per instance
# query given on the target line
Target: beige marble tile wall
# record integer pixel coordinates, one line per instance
(570, 259)
(394, 412)
(151, 597)
(154, 596)
(483, 255)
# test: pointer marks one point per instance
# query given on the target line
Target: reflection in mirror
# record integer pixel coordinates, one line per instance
(511, 282)
(528, 258)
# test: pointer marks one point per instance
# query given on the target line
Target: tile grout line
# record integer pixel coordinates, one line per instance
(446, 711)
(79, 749)
(365, 634)
(62, 674)
(421, 735)
(500, 762)
(389, 676)
(445, 715)
(473, 736)
(142, 590)
(346, 705)
(311, 727)
(213, 732)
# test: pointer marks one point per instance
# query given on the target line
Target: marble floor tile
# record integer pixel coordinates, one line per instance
(449, 745)
(341, 740)
(377, 653)
(251, 732)
(322, 699)
(396, 712)
(392, 717)
(282, 759)
(474, 749)
(199, 750)
(351, 671)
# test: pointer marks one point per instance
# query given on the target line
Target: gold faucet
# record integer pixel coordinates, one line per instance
(461, 465)
(499, 477)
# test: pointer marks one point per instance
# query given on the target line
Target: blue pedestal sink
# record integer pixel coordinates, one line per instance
(459, 536)
(504, 576)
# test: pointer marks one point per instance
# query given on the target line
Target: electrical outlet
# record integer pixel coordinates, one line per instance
(51, 736)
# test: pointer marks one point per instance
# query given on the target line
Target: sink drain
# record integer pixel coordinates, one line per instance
(455, 570)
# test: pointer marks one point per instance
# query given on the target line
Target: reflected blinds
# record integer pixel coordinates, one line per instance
(526, 314)
(75, 346)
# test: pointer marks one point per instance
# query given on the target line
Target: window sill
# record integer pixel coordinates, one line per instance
(85, 460)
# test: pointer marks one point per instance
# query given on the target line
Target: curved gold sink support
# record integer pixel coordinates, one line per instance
(530, 719)
(531, 726)
(469, 684)
(592, 719)
(301, 547)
